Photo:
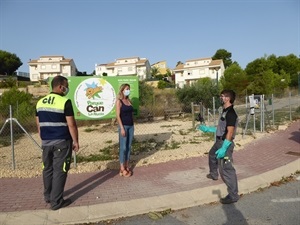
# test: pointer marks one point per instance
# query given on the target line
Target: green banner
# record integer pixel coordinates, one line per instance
(95, 97)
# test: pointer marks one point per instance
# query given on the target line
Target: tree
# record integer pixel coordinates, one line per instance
(291, 65)
(281, 81)
(169, 73)
(79, 73)
(154, 71)
(224, 55)
(202, 91)
(263, 84)
(257, 68)
(235, 79)
(9, 63)
(179, 63)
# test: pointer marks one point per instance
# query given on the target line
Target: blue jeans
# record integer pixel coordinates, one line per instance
(125, 143)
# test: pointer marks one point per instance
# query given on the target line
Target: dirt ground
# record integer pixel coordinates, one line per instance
(193, 143)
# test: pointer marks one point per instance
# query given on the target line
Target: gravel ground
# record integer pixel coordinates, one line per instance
(192, 144)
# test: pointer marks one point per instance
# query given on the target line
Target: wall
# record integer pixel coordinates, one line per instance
(31, 89)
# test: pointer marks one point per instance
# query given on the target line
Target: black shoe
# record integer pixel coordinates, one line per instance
(47, 201)
(63, 204)
(209, 176)
(228, 200)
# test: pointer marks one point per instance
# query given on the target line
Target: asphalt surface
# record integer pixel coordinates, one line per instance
(277, 204)
(172, 185)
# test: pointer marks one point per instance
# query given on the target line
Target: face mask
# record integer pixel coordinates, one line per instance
(66, 91)
(126, 92)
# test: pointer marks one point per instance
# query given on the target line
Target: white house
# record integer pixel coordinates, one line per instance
(50, 66)
(125, 67)
(192, 70)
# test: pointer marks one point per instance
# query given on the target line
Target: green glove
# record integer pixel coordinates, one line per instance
(222, 151)
(207, 129)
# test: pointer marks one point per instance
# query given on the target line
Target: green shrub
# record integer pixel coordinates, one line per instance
(21, 103)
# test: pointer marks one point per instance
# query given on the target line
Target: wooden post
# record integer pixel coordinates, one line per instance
(193, 115)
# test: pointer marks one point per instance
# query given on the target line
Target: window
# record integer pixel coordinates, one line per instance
(53, 66)
(43, 67)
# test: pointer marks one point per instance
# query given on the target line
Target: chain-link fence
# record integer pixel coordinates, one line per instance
(165, 124)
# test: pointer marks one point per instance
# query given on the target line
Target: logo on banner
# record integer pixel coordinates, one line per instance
(95, 97)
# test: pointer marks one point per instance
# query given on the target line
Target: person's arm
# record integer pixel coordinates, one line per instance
(38, 125)
(118, 113)
(73, 131)
(230, 132)
(230, 122)
(71, 122)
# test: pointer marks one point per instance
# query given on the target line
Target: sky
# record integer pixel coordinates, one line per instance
(100, 31)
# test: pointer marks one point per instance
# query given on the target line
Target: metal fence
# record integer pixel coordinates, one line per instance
(156, 126)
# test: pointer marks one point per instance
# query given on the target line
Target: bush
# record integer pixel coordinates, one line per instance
(9, 82)
(162, 84)
(21, 102)
(203, 91)
(146, 93)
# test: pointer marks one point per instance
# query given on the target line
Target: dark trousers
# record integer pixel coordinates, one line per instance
(212, 160)
(225, 168)
(56, 164)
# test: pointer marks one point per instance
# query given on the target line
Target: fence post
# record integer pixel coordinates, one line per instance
(214, 109)
(193, 115)
(12, 138)
(290, 96)
(273, 115)
(11, 119)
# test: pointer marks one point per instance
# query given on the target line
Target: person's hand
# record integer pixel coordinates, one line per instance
(207, 129)
(75, 146)
(123, 133)
(221, 152)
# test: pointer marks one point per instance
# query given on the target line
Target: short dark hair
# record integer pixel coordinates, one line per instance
(58, 80)
(230, 94)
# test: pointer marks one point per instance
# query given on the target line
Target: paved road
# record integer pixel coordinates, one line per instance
(274, 205)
